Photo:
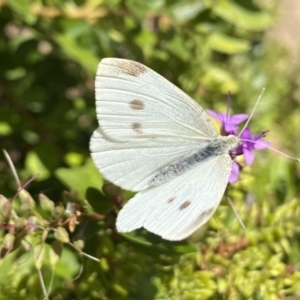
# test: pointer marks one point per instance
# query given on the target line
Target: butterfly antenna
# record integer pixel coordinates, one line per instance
(275, 150)
(236, 214)
(284, 154)
(253, 110)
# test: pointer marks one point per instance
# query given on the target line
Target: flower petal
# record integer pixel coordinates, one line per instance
(249, 156)
(217, 116)
(261, 144)
(230, 129)
(235, 170)
(237, 119)
(246, 134)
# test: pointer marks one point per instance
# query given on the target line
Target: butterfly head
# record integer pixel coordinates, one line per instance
(230, 142)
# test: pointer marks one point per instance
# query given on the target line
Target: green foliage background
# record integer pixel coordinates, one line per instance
(49, 51)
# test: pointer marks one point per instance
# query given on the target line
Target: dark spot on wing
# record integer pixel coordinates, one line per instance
(184, 205)
(137, 128)
(137, 104)
(202, 218)
(171, 199)
(131, 68)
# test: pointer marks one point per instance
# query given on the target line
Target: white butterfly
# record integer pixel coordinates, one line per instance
(157, 141)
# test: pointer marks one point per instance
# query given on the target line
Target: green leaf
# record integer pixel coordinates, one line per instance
(45, 203)
(79, 244)
(68, 265)
(35, 166)
(23, 8)
(178, 47)
(5, 208)
(8, 241)
(154, 245)
(184, 11)
(39, 255)
(242, 17)
(15, 74)
(120, 290)
(58, 212)
(73, 159)
(61, 235)
(80, 178)
(28, 204)
(146, 40)
(5, 129)
(226, 44)
(55, 252)
(100, 203)
(216, 77)
(77, 52)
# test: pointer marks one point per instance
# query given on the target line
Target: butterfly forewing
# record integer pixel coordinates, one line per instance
(134, 102)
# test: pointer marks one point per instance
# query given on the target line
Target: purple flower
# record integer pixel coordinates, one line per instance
(235, 170)
(229, 124)
(248, 142)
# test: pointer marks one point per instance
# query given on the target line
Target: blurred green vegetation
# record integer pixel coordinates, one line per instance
(53, 231)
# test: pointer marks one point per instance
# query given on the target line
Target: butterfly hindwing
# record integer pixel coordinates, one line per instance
(175, 209)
